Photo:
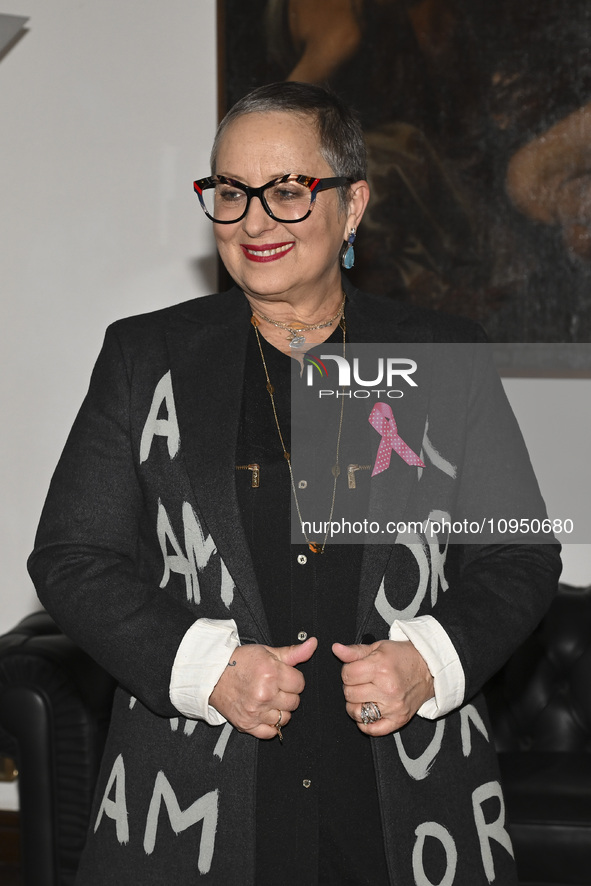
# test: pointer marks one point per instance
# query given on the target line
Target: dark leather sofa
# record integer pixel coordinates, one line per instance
(55, 705)
(54, 712)
(540, 707)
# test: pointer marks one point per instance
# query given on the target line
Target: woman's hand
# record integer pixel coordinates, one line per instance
(392, 674)
(258, 683)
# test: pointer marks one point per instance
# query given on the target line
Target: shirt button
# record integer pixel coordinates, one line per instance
(302, 636)
(302, 559)
(302, 484)
(306, 782)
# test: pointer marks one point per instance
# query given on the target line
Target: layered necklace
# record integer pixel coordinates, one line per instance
(315, 547)
(295, 337)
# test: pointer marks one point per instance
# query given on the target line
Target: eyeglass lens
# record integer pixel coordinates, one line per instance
(288, 201)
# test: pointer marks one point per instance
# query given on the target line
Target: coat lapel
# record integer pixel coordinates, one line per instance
(372, 321)
(207, 354)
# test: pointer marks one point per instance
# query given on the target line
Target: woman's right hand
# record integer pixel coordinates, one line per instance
(258, 683)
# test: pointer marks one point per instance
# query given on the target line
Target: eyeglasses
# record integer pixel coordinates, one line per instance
(289, 198)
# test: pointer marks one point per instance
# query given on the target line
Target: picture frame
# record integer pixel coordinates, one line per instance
(475, 116)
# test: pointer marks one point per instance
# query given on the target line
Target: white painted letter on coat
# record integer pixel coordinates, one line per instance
(418, 767)
(200, 549)
(469, 714)
(437, 832)
(176, 562)
(161, 427)
(494, 830)
(204, 809)
(117, 808)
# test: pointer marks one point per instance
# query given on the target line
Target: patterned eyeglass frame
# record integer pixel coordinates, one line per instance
(313, 184)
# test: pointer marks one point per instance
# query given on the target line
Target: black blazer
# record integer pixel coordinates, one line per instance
(141, 535)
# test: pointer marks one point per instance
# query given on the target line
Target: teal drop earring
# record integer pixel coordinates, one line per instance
(348, 257)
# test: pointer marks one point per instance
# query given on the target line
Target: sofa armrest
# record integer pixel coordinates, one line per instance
(55, 707)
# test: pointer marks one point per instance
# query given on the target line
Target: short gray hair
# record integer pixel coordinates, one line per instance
(339, 131)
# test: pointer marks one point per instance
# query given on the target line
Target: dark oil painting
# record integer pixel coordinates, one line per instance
(477, 116)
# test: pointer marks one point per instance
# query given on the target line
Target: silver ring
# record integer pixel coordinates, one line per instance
(370, 713)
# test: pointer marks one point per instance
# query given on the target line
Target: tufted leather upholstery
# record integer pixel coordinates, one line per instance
(54, 710)
(55, 704)
(540, 706)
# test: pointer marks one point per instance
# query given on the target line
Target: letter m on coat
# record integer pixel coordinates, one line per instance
(204, 809)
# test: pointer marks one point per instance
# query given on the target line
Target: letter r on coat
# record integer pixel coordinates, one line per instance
(493, 830)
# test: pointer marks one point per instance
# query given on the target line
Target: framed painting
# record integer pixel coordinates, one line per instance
(477, 118)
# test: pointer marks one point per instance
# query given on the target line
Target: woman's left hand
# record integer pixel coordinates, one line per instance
(391, 674)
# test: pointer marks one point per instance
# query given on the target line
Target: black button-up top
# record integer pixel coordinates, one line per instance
(317, 809)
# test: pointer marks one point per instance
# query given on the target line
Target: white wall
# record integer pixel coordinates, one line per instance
(555, 419)
(107, 112)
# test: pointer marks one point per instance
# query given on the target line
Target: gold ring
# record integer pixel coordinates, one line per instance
(278, 726)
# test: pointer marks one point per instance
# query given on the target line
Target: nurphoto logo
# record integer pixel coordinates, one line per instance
(386, 371)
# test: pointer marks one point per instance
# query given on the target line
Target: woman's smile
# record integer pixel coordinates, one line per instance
(267, 251)
(255, 149)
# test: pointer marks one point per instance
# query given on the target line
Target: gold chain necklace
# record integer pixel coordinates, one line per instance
(295, 340)
(315, 547)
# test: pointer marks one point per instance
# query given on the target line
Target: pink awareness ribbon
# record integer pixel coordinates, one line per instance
(382, 420)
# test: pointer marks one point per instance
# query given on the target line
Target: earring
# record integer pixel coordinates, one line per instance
(348, 256)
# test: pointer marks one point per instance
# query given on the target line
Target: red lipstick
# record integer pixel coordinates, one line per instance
(267, 251)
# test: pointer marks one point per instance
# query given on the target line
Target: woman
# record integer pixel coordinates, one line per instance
(164, 550)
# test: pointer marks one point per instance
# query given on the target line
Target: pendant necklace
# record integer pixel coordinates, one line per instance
(315, 547)
(295, 338)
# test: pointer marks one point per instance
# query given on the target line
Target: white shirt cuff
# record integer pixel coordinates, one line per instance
(200, 662)
(433, 642)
